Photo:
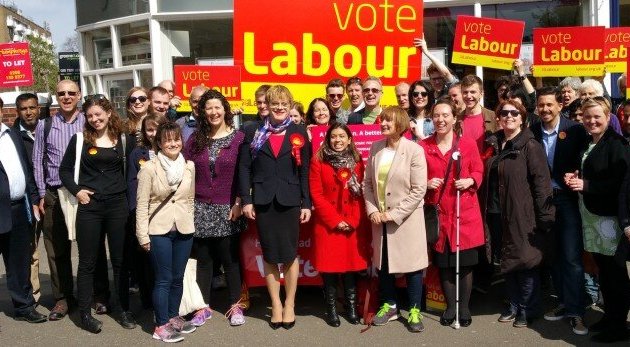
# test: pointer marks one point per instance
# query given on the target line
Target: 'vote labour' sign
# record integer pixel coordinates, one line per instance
(569, 51)
(493, 43)
(225, 79)
(617, 42)
(15, 65)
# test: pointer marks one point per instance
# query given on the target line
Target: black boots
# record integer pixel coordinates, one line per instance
(90, 323)
(350, 291)
(330, 296)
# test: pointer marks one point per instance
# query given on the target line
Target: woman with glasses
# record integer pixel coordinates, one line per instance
(137, 105)
(604, 165)
(101, 193)
(213, 148)
(273, 183)
(448, 176)
(319, 113)
(420, 103)
(519, 210)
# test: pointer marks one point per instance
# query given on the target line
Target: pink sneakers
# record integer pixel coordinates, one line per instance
(167, 333)
(201, 316)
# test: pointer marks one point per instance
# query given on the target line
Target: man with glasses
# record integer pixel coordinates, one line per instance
(17, 196)
(440, 77)
(173, 101)
(402, 95)
(188, 123)
(372, 93)
(334, 94)
(562, 140)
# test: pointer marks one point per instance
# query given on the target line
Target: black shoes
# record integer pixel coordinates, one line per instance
(31, 316)
(59, 311)
(330, 297)
(100, 308)
(520, 320)
(288, 325)
(275, 325)
(127, 320)
(351, 306)
(446, 321)
(466, 322)
(90, 323)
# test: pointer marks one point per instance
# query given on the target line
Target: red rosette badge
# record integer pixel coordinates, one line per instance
(297, 142)
(344, 174)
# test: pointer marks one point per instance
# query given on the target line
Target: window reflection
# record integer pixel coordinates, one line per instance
(135, 43)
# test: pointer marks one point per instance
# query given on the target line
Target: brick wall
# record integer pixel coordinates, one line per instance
(10, 113)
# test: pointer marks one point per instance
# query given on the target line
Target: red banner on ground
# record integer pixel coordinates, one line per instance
(569, 51)
(617, 42)
(225, 79)
(488, 42)
(15, 65)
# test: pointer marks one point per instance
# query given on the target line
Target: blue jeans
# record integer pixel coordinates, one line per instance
(169, 255)
(567, 268)
(523, 289)
(386, 281)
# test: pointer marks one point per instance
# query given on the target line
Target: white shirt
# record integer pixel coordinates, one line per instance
(12, 165)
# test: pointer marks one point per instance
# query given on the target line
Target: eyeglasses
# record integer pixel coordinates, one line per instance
(95, 97)
(373, 90)
(416, 94)
(505, 113)
(337, 96)
(66, 92)
(278, 105)
(141, 98)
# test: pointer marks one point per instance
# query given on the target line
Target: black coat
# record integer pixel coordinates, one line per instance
(264, 177)
(6, 218)
(603, 173)
(525, 195)
(567, 152)
(28, 141)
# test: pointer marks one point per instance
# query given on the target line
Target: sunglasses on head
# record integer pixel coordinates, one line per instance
(335, 96)
(95, 97)
(505, 113)
(141, 98)
(417, 94)
(64, 92)
(373, 90)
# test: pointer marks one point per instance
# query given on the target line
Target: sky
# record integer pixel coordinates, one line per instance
(60, 15)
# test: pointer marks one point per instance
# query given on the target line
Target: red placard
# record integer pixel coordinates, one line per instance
(617, 42)
(303, 44)
(627, 74)
(488, 42)
(252, 265)
(225, 79)
(569, 51)
(15, 65)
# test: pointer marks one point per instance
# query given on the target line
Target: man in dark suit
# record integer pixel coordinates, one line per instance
(562, 140)
(17, 191)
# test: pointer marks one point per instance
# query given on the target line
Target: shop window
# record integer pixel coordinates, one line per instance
(193, 40)
(135, 43)
(98, 49)
(146, 78)
(194, 5)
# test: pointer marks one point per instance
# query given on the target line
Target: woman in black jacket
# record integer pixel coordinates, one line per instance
(604, 164)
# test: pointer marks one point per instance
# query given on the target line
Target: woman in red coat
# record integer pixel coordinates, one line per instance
(466, 177)
(340, 237)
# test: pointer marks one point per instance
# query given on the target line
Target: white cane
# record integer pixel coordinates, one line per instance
(456, 158)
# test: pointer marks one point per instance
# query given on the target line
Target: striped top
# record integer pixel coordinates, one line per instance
(58, 138)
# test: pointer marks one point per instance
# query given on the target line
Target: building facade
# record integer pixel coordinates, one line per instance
(137, 42)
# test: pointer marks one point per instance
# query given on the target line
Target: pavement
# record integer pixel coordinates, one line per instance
(310, 328)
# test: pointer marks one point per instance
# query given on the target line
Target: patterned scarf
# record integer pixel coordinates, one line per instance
(340, 160)
(265, 131)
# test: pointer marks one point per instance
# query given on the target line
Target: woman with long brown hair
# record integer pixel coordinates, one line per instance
(101, 193)
(137, 106)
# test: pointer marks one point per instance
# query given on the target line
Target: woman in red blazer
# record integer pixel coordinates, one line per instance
(340, 239)
(438, 150)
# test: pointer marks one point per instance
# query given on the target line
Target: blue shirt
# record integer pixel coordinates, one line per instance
(549, 140)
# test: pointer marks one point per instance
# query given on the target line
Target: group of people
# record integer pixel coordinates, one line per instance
(522, 189)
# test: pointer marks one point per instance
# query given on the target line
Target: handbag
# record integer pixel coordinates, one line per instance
(432, 212)
(68, 202)
(192, 300)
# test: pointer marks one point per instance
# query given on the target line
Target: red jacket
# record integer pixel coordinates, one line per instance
(334, 250)
(471, 226)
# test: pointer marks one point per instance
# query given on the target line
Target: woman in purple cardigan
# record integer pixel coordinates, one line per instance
(214, 147)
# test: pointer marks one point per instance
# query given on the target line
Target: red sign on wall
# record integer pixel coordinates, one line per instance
(488, 42)
(15, 65)
(569, 51)
(225, 79)
(617, 42)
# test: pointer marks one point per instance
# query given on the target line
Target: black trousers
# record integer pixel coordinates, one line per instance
(136, 263)
(218, 249)
(615, 287)
(96, 220)
(16, 247)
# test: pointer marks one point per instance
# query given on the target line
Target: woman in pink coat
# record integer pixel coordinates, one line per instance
(464, 176)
